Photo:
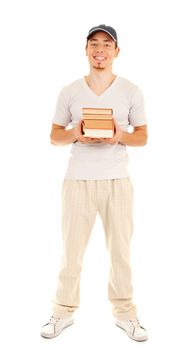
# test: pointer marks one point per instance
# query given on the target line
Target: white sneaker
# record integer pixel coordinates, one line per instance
(55, 326)
(133, 329)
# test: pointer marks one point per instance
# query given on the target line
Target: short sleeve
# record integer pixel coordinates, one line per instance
(62, 114)
(137, 115)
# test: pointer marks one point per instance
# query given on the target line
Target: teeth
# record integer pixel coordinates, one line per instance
(100, 58)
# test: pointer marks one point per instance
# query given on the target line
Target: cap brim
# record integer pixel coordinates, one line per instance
(100, 30)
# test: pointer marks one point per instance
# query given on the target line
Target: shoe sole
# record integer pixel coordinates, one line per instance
(50, 336)
(129, 335)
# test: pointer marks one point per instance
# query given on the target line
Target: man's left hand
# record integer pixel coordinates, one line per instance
(116, 136)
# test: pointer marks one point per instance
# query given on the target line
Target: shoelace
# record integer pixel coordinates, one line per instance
(134, 323)
(54, 321)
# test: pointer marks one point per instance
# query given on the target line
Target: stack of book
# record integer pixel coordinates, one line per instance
(98, 122)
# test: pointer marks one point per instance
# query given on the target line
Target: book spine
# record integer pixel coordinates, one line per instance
(97, 116)
(95, 124)
(98, 133)
(108, 111)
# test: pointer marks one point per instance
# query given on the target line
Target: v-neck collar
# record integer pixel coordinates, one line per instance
(104, 92)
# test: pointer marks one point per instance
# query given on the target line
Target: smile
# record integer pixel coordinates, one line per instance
(99, 58)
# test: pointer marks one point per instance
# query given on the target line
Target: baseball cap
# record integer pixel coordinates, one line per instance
(103, 28)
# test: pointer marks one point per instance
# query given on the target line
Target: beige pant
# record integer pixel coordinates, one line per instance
(81, 200)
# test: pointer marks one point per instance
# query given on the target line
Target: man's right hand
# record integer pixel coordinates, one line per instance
(77, 132)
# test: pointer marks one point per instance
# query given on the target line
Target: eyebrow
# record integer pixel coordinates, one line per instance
(105, 40)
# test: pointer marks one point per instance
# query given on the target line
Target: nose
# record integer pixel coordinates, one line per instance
(99, 48)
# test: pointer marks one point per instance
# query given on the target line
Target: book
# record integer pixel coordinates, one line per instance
(94, 124)
(98, 133)
(104, 111)
(97, 116)
(98, 122)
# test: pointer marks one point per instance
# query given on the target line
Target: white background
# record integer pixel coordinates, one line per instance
(42, 49)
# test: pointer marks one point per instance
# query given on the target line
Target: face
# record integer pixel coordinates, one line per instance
(101, 51)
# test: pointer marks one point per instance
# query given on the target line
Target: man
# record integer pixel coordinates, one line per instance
(97, 180)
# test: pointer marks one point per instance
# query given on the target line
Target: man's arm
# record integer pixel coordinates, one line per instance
(59, 136)
(138, 137)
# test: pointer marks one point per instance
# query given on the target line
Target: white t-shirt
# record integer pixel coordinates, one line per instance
(97, 161)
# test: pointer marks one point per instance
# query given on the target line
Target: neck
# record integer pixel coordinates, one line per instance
(99, 77)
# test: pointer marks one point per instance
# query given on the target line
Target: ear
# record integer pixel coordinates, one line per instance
(86, 48)
(117, 51)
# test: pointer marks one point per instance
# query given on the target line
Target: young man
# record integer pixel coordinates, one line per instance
(97, 180)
